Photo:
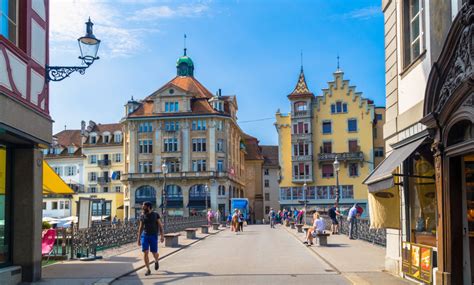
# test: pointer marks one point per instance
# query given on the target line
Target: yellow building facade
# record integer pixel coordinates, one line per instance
(338, 123)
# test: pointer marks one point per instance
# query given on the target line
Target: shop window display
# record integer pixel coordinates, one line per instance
(4, 210)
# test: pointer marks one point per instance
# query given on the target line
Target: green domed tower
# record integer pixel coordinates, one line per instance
(185, 65)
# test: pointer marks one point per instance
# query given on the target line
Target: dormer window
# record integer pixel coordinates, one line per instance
(338, 107)
(93, 139)
(71, 150)
(106, 138)
(117, 138)
(171, 107)
(218, 106)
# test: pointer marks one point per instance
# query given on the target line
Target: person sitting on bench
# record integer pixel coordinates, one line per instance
(317, 228)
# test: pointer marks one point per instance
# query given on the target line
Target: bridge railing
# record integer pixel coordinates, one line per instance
(105, 235)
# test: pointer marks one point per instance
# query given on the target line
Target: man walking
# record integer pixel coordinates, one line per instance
(148, 230)
(272, 217)
(352, 218)
(333, 213)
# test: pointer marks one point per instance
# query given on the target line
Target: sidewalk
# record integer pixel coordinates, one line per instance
(115, 263)
(359, 261)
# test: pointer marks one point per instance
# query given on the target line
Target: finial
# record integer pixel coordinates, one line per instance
(132, 97)
(301, 60)
(185, 45)
(65, 127)
(337, 61)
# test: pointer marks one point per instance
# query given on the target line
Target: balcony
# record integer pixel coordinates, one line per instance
(302, 178)
(300, 114)
(344, 156)
(301, 137)
(104, 163)
(103, 180)
(175, 175)
(302, 158)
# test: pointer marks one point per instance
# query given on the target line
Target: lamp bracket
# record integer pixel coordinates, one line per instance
(58, 73)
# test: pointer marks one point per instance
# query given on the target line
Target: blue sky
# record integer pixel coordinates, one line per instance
(248, 48)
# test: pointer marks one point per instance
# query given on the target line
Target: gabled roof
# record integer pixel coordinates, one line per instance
(68, 138)
(301, 89)
(188, 84)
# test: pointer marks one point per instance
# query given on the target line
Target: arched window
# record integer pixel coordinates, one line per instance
(461, 131)
(221, 191)
(174, 192)
(300, 106)
(198, 191)
(145, 193)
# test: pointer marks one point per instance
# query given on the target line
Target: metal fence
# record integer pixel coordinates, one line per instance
(362, 230)
(84, 242)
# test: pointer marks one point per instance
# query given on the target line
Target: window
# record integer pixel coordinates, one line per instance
(353, 146)
(267, 183)
(93, 189)
(353, 169)
(171, 107)
(352, 125)
(220, 125)
(199, 165)
(220, 145)
(267, 196)
(93, 159)
(300, 106)
(105, 189)
(379, 117)
(118, 157)
(171, 126)
(327, 147)
(9, 20)
(93, 139)
(54, 205)
(221, 190)
(266, 171)
(267, 210)
(375, 132)
(199, 145)
(301, 149)
(198, 125)
(173, 166)
(338, 107)
(218, 106)
(413, 32)
(71, 149)
(170, 145)
(61, 205)
(118, 189)
(327, 128)
(66, 205)
(145, 166)
(328, 171)
(379, 152)
(116, 175)
(301, 171)
(92, 176)
(118, 138)
(106, 138)
(44, 206)
(70, 170)
(145, 127)
(58, 170)
(347, 192)
(145, 146)
(220, 166)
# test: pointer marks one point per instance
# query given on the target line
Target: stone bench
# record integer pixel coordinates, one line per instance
(292, 224)
(204, 229)
(190, 233)
(215, 226)
(171, 240)
(322, 239)
(300, 227)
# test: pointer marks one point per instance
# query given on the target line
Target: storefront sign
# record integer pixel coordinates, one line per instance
(417, 261)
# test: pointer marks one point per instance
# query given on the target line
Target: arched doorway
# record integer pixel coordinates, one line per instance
(174, 200)
(197, 199)
(143, 194)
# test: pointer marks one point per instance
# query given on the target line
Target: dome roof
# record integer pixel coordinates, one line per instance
(185, 59)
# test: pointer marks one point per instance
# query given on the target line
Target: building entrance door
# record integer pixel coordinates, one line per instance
(468, 219)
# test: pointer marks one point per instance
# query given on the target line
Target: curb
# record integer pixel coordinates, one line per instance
(109, 281)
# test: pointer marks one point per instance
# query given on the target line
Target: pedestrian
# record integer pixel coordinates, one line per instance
(149, 228)
(352, 219)
(333, 213)
(229, 220)
(217, 216)
(279, 215)
(114, 220)
(299, 217)
(317, 228)
(241, 221)
(235, 221)
(210, 217)
(272, 217)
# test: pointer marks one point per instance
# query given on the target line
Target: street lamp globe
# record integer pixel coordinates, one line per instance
(336, 164)
(164, 168)
(89, 45)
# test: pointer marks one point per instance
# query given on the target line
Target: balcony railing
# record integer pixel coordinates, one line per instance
(344, 156)
(302, 178)
(104, 162)
(302, 158)
(299, 137)
(298, 114)
(103, 180)
(175, 175)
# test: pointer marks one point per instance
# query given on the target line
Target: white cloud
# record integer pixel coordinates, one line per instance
(165, 11)
(364, 13)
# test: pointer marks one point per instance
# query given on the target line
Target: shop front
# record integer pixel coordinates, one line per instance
(449, 116)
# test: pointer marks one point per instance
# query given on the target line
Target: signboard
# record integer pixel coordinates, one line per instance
(417, 261)
(84, 214)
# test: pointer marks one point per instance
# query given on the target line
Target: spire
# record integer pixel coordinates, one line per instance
(185, 45)
(338, 67)
(301, 60)
(301, 87)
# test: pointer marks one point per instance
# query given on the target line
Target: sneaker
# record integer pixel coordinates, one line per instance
(305, 242)
(157, 265)
(148, 272)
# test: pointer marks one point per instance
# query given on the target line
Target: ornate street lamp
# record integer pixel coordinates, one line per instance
(206, 190)
(88, 46)
(305, 201)
(164, 169)
(336, 165)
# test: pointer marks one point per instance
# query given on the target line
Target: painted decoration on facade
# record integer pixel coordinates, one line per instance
(417, 261)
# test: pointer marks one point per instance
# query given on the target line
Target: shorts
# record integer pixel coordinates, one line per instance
(149, 242)
(334, 221)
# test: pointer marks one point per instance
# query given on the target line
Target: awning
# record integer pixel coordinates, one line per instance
(382, 178)
(197, 204)
(52, 183)
(173, 204)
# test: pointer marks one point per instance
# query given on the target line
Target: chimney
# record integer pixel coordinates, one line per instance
(220, 92)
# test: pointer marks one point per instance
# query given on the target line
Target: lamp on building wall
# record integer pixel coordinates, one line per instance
(164, 197)
(88, 46)
(336, 165)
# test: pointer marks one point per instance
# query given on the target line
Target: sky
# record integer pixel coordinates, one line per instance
(248, 48)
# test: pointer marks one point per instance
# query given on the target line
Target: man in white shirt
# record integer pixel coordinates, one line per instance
(352, 218)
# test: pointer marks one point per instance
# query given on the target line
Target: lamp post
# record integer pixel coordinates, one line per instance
(88, 46)
(305, 201)
(336, 165)
(206, 190)
(164, 169)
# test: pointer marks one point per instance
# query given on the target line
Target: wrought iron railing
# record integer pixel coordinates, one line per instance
(358, 155)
